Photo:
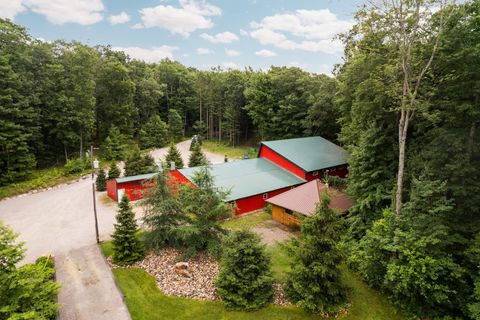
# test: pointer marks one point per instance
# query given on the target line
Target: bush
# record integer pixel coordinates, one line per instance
(27, 292)
(245, 279)
(139, 164)
(314, 282)
(127, 248)
(101, 181)
(76, 166)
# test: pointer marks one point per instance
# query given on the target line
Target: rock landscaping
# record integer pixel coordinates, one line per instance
(193, 279)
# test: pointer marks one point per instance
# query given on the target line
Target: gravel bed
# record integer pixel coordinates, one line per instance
(203, 271)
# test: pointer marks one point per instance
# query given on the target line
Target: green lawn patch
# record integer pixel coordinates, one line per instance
(40, 179)
(231, 152)
(247, 221)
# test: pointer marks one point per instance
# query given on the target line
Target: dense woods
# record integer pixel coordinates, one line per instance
(405, 103)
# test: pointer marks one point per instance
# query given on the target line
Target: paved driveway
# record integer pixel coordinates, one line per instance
(60, 221)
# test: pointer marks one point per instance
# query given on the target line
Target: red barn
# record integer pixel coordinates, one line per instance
(309, 158)
(131, 186)
(249, 182)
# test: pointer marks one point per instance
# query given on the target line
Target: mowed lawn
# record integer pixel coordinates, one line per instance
(146, 302)
(232, 153)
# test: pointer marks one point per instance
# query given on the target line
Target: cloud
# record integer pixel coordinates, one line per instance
(59, 12)
(204, 51)
(119, 18)
(308, 30)
(191, 15)
(265, 53)
(232, 53)
(223, 37)
(137, 26)
(230, 65)
(10, 8)
(243, 33)
(153, 54)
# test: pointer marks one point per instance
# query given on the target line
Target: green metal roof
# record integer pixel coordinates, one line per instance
(310, 153)
(137, 177)
(246, 178)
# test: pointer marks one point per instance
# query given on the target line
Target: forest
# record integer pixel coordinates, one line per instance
(405, 104)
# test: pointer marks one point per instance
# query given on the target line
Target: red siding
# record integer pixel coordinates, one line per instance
(112, 189)
(255, 202)
(340, 171)
(267, 153)
(134, 189)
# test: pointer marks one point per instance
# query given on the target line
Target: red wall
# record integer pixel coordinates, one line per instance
(255, 202)
(267, 153)
(112, 189)
(340, 171)
(134, 189)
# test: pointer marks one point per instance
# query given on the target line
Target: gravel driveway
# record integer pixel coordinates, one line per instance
(183, 147)
(60, 221)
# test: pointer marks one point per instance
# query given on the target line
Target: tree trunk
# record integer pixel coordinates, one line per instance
(402, 142)
(65, 151)
(81, 145)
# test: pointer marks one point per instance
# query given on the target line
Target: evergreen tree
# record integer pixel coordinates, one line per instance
(101, 180)
(163, 213)
(114, 172)
(127, 248)
(314, 282)
(139, 164)
(245, 279)
(154, 134)
(197, 158)
(205, 206)
(113, 145)
(175, 125)
(173, 155)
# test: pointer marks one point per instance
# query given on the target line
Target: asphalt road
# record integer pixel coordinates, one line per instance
(60, 221)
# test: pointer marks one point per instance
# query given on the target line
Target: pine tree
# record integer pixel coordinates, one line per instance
(314, 282)
(114, 172)
(138, 164)
(127, 248)
(245, 279)
(175, 125)
(175, 156)
(154, 133)
(101, 180)
(197, 158)
(113, 145)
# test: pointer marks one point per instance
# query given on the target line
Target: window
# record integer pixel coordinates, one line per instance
(315, 173)
(265, 196)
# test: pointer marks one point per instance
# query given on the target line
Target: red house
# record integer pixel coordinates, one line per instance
(309, 158)
(131, 186)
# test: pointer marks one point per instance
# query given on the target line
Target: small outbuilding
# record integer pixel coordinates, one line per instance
(131, 186)
(291, 206)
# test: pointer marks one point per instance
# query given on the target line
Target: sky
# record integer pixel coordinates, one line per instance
(198, 33)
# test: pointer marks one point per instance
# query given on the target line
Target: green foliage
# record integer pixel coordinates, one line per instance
(137, 163)
(174, 155)
(113, 147)
(175, 125)
(76, 165)
(205, 207)
(197, 158)
(101, 181)
(27, 292)
(314, 282)
(114, 172)
(127, 249)
(473, 256)
(154, 133)
(163, 213)
(245, 279)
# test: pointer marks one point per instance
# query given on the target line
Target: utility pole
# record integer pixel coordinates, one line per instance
(95, 165)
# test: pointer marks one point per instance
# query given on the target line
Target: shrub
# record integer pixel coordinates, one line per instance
(101, 180)
(314, 282)
(76, 166)
(154, 133)
(127, 248)
(245, 279)
(27, 292)
(139, 164)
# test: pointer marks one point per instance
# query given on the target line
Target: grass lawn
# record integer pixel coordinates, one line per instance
(40, 179)
(231, 152)
(145, 301)
(247, 221)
